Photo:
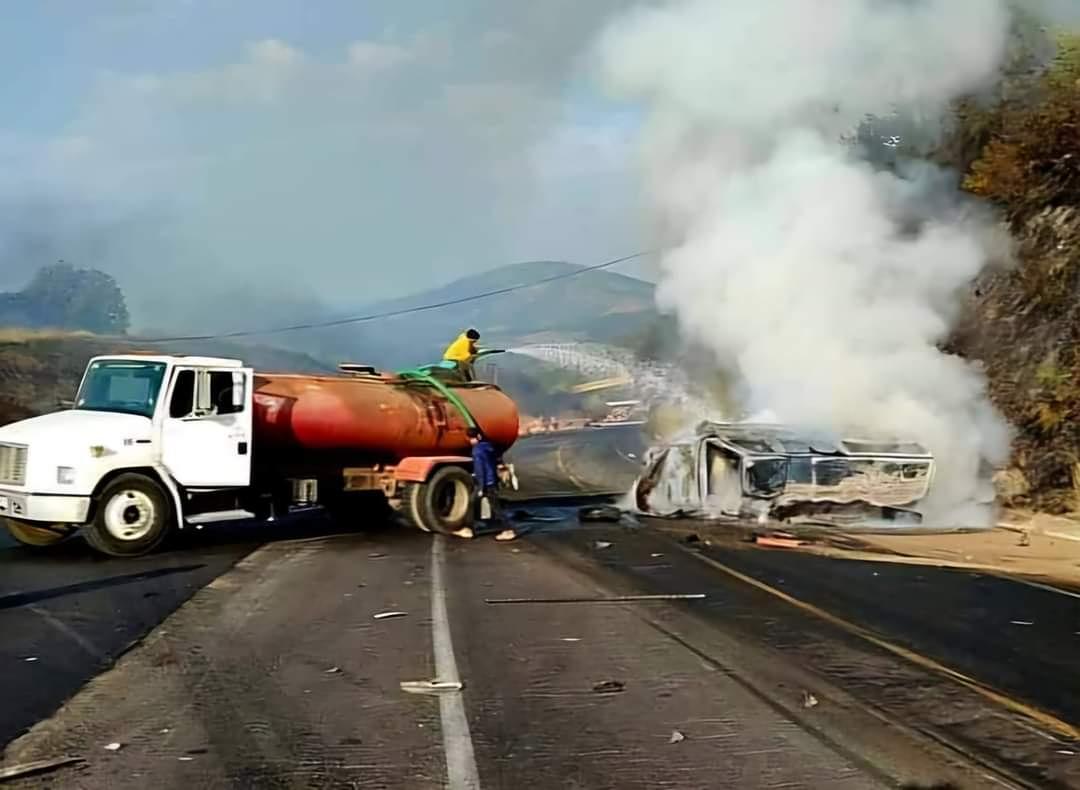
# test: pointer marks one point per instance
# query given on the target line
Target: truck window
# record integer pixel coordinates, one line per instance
(120, 385)
(221, 392)
(183, 397)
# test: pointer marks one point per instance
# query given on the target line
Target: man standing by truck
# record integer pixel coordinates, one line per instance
(486, 474)
(462, 352)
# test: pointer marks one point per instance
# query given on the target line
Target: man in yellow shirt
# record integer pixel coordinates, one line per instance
(462, 352)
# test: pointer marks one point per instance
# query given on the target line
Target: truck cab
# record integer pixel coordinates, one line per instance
(142, 430)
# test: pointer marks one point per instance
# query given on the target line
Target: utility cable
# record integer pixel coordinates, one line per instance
(403, 311)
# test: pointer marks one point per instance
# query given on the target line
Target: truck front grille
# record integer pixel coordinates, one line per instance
(12, 465)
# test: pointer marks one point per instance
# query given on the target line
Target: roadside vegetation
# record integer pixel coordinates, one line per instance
(1021, 152)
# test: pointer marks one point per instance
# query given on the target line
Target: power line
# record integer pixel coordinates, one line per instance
(403, 311)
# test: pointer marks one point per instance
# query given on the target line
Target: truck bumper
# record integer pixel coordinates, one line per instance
(48, 508)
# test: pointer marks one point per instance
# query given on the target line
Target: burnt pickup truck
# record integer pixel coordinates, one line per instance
(775, 473)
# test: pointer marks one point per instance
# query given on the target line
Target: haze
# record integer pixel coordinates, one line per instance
(226, 161)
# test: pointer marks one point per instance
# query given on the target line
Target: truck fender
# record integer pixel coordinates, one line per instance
(417, 469)
(170, 485)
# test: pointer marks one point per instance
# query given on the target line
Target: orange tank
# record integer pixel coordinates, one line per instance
(380, 418)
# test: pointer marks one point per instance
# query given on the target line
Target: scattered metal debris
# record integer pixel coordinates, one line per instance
(809, 700)
(571, 639)
(114, 746)
(599, 513)
(601, 544)
(609, 687)
(185, 759)
(656, 554)
(385, 615)
(376, 555)
(430, 686)
(35, 767)
(676, 737)
(332, 671)
(1021, 622)
(30, 659)
(602, 598)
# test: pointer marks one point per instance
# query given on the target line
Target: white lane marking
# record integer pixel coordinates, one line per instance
(1047, 587)
(461, 773)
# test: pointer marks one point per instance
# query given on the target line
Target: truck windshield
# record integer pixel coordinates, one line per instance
(127, 386)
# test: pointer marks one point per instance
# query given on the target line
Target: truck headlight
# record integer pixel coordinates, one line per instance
(65, 475)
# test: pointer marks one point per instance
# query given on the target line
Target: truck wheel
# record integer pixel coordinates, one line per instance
(442, 504)
(131, 518)
(37, 535)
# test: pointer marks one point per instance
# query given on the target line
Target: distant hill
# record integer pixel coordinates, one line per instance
(599, 306)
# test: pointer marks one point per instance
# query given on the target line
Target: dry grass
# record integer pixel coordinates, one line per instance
(15, 334)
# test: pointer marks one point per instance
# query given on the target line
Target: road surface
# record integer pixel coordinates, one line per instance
(784, 670)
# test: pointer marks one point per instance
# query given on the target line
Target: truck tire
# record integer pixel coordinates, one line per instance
(37, 536)
(132, 516)
(441, 504)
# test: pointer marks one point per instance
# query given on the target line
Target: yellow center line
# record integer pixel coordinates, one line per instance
(1048, 720)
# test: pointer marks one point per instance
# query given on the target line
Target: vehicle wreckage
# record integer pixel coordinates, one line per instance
(773, 472)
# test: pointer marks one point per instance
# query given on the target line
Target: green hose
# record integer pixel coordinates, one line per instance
(421, 375)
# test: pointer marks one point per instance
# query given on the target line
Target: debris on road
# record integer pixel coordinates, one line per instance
(376, 555)
(599, 513)
(571, 639)
(37, 766)
(603, 598)
(779, 543)
(601, 544)
(692, 538)
(609, 687)
(1021, 622)
(113, 747)
(430, 686)
(1025, 539)
(30, 659)
(676, 737)
(809, 700)
(656, 554)
(332, 671)
(385, 615)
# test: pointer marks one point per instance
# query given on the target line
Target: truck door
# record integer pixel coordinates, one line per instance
(206, 434)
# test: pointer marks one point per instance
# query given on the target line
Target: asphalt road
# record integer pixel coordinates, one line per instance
(792, 670)
(66, 613)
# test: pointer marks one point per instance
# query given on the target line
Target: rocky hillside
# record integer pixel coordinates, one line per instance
(1023, 323)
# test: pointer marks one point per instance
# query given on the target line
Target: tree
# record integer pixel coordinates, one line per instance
(65, 297)
(1031, 160)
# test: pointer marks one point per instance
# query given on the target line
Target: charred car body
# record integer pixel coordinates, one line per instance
(760, 471)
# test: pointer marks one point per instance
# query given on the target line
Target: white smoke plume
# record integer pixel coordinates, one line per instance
(823, 283)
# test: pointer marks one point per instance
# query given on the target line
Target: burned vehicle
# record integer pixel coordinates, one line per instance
(772, 472)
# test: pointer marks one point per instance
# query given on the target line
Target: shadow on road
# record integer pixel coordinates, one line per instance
(25, 598)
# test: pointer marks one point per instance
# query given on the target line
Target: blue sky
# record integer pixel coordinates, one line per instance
(225, 157)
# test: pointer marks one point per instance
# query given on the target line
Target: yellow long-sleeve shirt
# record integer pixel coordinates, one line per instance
(461, 350)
